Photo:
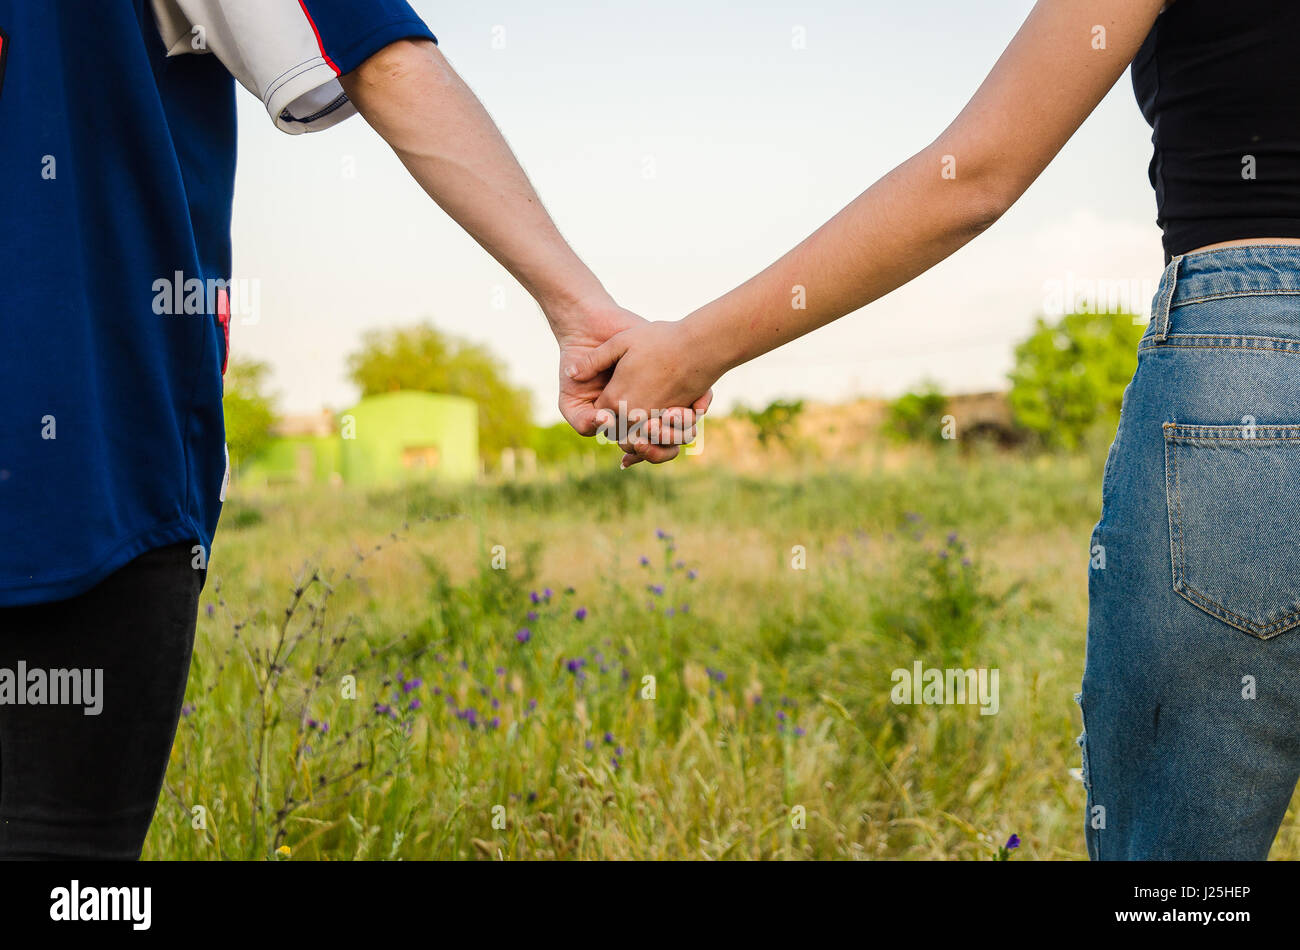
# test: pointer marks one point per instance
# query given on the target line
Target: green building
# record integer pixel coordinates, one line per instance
(382, 440)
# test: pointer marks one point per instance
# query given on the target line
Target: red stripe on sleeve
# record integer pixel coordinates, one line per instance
(319, 42)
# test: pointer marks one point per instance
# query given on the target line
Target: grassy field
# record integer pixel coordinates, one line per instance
(506, 709)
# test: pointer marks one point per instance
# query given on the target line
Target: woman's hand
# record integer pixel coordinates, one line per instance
(584, 375)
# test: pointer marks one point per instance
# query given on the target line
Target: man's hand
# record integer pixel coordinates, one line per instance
(582, 380)
(659, 371)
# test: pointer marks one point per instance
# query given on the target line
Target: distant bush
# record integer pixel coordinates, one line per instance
(773, 424)
(1069, 376)
(559, 443)
(917, 416)
(248, 409)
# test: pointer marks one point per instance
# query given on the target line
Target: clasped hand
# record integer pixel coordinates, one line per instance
(641, 383)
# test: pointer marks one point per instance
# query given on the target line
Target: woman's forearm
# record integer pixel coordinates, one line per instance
(1061, 63)
(899, 228)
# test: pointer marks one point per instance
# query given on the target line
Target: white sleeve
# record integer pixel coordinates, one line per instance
(271, 46)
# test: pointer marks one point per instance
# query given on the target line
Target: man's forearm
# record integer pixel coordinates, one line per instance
(443, 135)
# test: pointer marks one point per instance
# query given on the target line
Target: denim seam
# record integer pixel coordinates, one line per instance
(1182, 432)
(1175, 523)
(1211, 342)
(1177, 547)
(1266, 292)
(1261, 631)
(1089, 783)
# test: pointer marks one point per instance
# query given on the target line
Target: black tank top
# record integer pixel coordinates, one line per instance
(1219, 82)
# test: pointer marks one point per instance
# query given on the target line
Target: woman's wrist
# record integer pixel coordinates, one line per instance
(709, 347)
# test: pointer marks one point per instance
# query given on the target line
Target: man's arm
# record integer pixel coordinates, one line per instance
(1061, 63)
(413, 98)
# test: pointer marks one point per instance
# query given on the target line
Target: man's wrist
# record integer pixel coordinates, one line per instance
(570, 313)
(582, 319)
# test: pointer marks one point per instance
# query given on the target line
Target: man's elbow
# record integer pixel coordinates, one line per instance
(396, 64)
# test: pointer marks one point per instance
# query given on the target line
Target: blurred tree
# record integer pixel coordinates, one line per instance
(774, 424)
(558, 443)
(917, 416)
(426, 359)
(1069, 376)
(248, 409)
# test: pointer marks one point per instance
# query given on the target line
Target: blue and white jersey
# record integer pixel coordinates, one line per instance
(117, 168)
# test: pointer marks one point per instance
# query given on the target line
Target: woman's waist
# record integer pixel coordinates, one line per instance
(1240, 289)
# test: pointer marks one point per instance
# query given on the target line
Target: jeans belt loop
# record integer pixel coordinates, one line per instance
(1166, 299)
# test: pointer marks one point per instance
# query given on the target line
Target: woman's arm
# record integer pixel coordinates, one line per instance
(1062, 62)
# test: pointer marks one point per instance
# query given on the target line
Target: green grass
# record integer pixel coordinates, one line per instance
(770, 733)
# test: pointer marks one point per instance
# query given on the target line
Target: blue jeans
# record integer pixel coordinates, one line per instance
(1191, 692)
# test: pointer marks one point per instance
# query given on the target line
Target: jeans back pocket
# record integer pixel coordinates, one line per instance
(1234, 535)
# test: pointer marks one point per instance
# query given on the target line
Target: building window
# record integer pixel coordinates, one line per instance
(420, 456)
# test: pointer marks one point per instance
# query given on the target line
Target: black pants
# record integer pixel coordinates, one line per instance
(85, 786)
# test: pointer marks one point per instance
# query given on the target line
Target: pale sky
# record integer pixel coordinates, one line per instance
(681, 147)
